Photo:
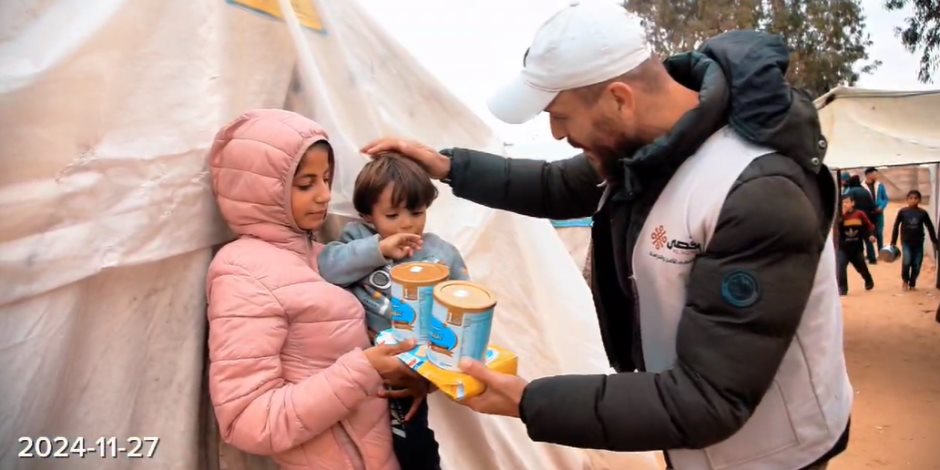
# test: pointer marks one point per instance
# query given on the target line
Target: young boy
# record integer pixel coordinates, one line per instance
(911, 220)
(392, 195)
(866, 204)
(854, 229)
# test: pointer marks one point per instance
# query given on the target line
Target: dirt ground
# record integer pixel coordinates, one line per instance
(892, 346)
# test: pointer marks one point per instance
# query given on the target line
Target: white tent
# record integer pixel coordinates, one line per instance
(107, 110)
(875, 128)
(880, 128)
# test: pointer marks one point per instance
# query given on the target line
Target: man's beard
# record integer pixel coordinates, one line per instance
(610, 158)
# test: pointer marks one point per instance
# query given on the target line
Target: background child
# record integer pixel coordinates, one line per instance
(854, 229)
(880, 197)
(863, 202)
(392, 194)
(911, 220)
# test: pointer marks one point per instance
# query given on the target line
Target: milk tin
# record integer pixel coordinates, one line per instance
(413, 297)
(460, 325)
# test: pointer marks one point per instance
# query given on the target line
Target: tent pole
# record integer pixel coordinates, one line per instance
(835, 220)
(935, 203)
(935, 187)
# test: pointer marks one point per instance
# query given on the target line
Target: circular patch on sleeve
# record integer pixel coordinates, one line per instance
(380, 279)
(740, 289)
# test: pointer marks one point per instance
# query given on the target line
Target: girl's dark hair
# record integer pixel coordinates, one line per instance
(324, 145)
(412, 185)
(914, 192)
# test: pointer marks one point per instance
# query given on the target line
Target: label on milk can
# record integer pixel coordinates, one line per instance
(411, 310)
(412, 293)
(460, 325)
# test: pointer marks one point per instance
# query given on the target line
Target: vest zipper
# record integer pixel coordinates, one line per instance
(636, 350)
(637, 339)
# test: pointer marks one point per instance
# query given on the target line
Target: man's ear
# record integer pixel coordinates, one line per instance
(624, 96)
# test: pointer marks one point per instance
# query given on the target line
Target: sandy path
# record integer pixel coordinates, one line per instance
(892, 347)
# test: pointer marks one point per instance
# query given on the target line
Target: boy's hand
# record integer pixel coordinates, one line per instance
(400, 245)
(872, 239)
(417, 389)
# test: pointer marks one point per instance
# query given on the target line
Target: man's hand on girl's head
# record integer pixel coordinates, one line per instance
(437, 165)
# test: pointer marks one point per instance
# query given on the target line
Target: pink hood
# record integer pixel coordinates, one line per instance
(253, 161)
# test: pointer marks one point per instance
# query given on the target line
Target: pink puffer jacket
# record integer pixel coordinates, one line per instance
(287, 374)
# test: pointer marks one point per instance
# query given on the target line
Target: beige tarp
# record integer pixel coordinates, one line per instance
(880, 128)
(577, 241)
(107, 109)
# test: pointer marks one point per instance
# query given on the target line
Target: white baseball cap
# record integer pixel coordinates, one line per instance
(589, 42)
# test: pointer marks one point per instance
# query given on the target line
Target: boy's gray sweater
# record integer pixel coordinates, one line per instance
(350, 262)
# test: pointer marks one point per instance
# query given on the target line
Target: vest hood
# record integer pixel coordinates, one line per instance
(741, 80)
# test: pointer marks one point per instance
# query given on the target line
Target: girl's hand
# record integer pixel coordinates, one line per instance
(417, 389)
(383, 359)
(400, 245)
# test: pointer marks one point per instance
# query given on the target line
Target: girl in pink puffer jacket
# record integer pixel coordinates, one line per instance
(291, 372)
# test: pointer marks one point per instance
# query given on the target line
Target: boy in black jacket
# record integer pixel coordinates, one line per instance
(911, 220)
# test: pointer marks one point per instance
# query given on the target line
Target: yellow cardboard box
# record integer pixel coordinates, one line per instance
(456, 385)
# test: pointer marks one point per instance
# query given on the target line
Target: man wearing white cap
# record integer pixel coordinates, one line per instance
(712, 270)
